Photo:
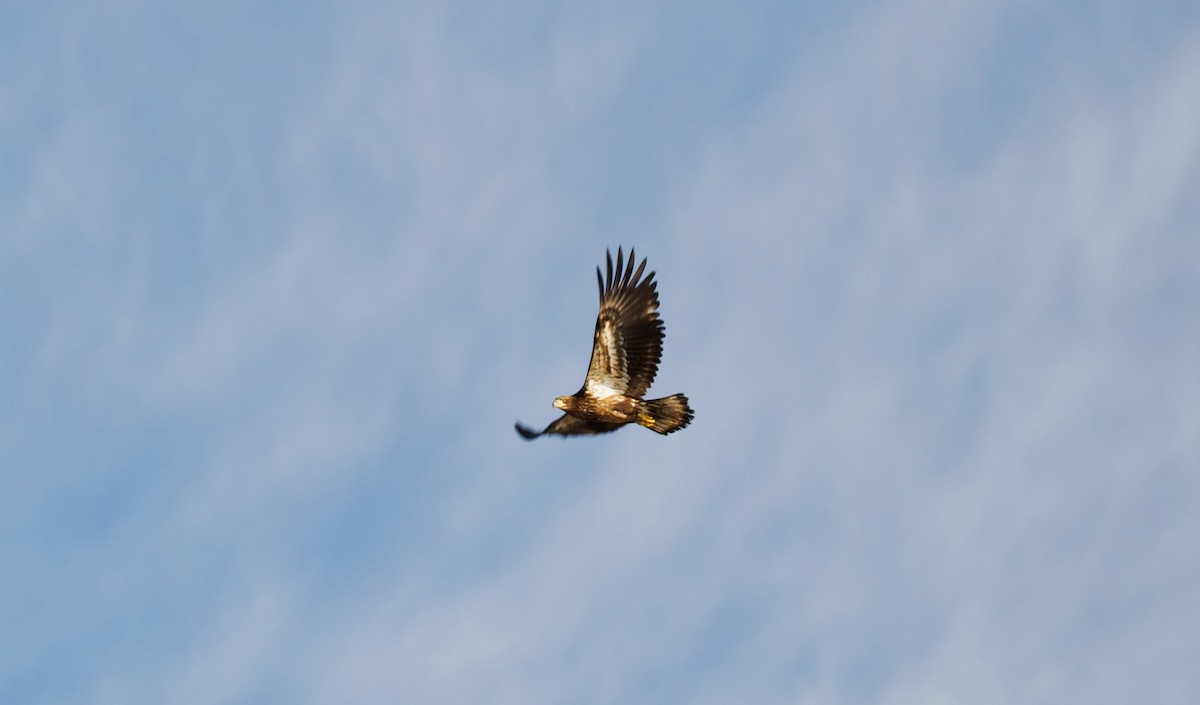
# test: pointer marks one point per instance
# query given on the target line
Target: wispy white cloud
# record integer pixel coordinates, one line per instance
(927, 276)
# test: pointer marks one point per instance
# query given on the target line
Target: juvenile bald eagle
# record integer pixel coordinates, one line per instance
(625, 356)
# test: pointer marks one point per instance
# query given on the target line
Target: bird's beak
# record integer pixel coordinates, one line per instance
(559, 403)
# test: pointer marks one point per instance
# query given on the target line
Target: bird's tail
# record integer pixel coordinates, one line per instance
(665, 415)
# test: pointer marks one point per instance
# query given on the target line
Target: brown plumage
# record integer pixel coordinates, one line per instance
(626, 350)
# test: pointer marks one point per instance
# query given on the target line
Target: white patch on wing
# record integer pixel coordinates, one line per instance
(602, 389)
(605, 378)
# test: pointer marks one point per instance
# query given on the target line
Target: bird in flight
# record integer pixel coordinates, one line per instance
(625, 355)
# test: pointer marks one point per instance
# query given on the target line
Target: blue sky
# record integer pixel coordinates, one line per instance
(277, 279)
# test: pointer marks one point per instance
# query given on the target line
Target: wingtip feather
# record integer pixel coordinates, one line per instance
(640, 269)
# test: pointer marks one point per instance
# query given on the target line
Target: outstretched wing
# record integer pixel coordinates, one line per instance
(629, 333)
(567, 425)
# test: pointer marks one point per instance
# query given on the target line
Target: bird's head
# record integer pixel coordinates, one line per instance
(564, 403)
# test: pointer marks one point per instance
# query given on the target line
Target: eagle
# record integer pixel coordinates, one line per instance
(626, 351)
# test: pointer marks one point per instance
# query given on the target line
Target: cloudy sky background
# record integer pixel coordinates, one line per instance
(277, 279)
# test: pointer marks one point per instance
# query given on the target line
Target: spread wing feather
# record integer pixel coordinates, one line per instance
(567, 425)
(629, 334)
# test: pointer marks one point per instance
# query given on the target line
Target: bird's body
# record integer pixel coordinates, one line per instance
(617, 408)
(625, 354)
